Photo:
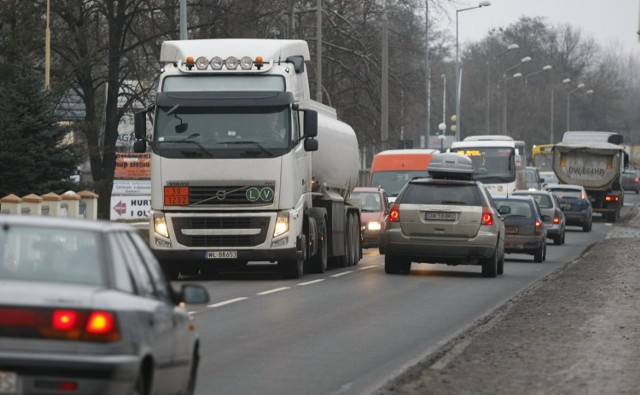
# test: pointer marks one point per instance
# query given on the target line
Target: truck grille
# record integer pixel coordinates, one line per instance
(217, 195)
(221, 223)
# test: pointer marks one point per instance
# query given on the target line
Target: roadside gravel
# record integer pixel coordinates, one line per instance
(576, 331)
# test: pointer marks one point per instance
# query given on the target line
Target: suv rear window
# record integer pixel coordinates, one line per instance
(451, 194)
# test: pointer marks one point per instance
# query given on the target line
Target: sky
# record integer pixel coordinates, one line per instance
(609, 22)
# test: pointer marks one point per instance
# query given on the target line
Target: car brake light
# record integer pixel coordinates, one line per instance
(487, 216)
(394, 214)
(538, 227)
(100, 322)
(64, 320)
(636, 179)
(556, 217)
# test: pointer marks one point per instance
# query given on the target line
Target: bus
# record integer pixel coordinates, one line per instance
(392, 169)
(542, 157)
(496, 161)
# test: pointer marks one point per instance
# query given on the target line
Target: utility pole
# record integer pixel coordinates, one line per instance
(384, 95)
(183, 20)
(427, 75)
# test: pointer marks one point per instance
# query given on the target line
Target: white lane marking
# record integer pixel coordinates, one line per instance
(366, 267)
(311, 282)
(272, 291)
(342, 274)
(226, 302)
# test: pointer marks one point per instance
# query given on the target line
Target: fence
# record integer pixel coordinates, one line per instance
(82, 204)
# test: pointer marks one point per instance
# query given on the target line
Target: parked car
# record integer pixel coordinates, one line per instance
(631, 181)
(548, 177)
(575, 204)
(533, 178)
(550, 207)
(85, 308)
(374, 207)
(524, 227)
(449, 218)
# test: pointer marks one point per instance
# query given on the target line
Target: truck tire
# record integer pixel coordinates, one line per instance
(355, 239)
(318, 262)
(292, 268)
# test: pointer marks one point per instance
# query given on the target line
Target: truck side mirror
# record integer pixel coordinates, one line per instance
(310, 145)
(140, 124)
(310, 123)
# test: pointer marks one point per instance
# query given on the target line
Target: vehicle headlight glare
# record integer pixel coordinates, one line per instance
(374, 225)
(231, 63)
(160, 226)
(202, 63)
(246, 63)
(282, 224)
(216, 63)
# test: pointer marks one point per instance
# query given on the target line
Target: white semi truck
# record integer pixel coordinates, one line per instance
(245, 167)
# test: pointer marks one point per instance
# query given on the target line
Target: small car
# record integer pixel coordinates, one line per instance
(533, 177)
(524, 227)
(549, 206)
(548, 177)
(631, 181)
(575, 204)
(449, 218)
(85, 308)
(374, 207)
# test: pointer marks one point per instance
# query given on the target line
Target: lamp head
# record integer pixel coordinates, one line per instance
(484, 4)
(566, 80)
(547, 67)
(525, 59)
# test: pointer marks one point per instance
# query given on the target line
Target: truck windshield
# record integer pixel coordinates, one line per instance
(225, 132)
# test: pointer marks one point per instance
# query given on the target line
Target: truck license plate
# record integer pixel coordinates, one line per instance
(222, 254)
(8, 383)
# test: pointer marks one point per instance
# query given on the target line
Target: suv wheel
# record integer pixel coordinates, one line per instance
(490, 265)
(394, 265)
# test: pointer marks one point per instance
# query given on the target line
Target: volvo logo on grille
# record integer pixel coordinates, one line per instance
(221, 194)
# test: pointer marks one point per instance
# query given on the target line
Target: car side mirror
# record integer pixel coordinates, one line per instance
(193, 293)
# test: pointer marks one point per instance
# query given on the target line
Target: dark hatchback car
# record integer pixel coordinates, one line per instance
(448, 219)
(86, 309)
(631, 181)
(524, 227)
(575, 204)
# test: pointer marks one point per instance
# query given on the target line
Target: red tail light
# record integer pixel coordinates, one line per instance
(611, 198)
(394, 214)
(556, 217)
(65, 324)
(487, 216)
(538, 227)
(636, 179)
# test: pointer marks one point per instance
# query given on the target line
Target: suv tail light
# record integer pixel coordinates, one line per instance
(487, 216)
(394, 214)
(65, 324)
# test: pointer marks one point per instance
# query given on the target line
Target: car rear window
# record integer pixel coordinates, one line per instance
(50, 254)
(544, 201)
(518, 208)
(567, 193)
(448, 194)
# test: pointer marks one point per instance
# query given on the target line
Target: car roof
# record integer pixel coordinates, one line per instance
(367, 189)
(524, 192)
(63, 222)
(515, 197)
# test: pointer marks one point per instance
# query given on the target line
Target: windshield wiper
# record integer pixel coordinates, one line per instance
(257, 144)
(189, 141)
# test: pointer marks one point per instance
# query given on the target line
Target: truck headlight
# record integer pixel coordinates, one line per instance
(374, 225)
(282, 224)
(160, 225)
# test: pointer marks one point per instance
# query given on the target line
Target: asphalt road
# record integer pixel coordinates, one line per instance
(350, 330)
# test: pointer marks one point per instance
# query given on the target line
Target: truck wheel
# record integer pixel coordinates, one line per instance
(348, 241)
(356, 239)
(318, 263)
(292, 269)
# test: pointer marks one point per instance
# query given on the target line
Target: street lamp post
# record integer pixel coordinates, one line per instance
(497, 56)
(458, 87)
(504, 94)
(526, 59)
(572, 91)
(553, 88)
(545, 68)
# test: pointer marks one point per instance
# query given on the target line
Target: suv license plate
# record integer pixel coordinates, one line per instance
(222, 254)
(439, 216)
(8, 383)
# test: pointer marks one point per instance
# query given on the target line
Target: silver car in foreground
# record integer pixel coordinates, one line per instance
(448, 219)
(86, 309)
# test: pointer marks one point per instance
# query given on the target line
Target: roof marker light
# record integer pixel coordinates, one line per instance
(189, 62)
